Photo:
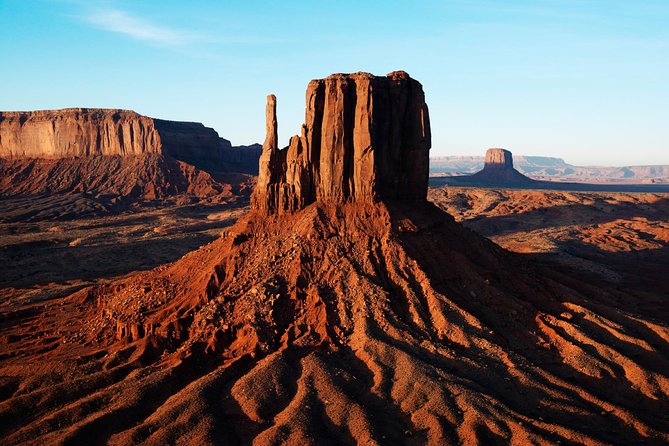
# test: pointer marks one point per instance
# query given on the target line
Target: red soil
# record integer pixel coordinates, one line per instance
(341, 324)
(111, 180)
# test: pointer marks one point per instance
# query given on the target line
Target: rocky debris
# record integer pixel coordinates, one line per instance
(365, 138)
(112, 182)
(77, 132)
(336, 314)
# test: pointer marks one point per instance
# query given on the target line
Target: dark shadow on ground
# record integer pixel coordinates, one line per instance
(463, 181)
(573, 214)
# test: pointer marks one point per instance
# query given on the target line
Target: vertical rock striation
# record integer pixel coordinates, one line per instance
(83, 132)
(498, 159)
(365, 138)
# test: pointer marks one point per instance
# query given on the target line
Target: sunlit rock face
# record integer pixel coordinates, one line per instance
(365, 138)
(498, 159)
(79, 132)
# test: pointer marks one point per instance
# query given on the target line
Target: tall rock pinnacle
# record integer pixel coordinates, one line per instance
(365, 138)
(268, 157)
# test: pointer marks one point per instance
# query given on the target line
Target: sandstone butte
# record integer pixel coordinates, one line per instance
(365, 138)
(343, 309)
(498, 159)
(498, 170)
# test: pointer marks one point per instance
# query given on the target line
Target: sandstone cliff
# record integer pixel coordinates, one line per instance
(241, 159)
(76, 132)
(365, 138)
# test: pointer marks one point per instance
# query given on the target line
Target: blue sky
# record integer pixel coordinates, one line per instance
(586, 80)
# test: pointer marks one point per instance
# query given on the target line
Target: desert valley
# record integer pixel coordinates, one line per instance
(221, 223)
(164, 287)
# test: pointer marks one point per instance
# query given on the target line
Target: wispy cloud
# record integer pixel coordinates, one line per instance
(138, 28)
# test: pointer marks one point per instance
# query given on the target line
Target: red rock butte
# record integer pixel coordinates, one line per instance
(365, 138)
(498, 159)
(498, 170)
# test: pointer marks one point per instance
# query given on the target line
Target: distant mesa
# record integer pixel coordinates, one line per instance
(110, 159)
(77, 132)
(365, 138)
(84, 132)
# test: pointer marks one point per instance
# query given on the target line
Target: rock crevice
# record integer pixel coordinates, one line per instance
(365, 138)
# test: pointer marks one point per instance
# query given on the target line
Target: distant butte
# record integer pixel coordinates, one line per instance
(365, 138)
(499, 170)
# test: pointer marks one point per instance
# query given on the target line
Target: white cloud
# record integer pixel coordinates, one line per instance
(118, 21)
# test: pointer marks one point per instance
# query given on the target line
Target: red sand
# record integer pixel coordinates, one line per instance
(341, 324)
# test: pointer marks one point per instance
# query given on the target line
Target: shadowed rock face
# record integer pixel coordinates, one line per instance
(498, 159)
(498, 171)
(76, 132)
(365, 138)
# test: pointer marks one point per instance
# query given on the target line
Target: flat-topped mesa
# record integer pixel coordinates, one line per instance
(365, 138)
(77, 132)
(498, 159)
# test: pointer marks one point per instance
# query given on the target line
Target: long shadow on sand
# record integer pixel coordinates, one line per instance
(567, 215)
(32, 264)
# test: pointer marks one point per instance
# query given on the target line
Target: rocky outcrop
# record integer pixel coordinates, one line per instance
(191, 142)
(498, 159)
(497, 171)
(241, 159)
(76, 132)
(365, 138)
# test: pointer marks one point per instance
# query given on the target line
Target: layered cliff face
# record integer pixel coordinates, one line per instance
(77, 132)
(191, 142)
(242, 159)
(365, 138)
